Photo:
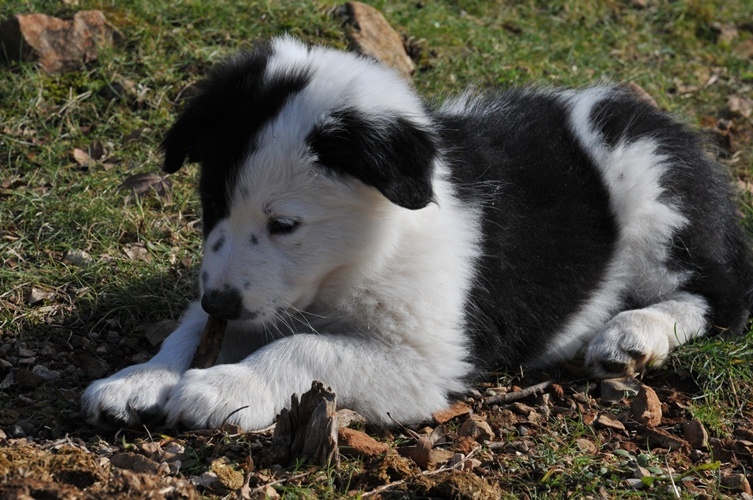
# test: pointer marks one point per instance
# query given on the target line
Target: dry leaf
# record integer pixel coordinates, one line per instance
(142, 184)
(82, 157)
(36, 295)
(738, 105)
(96, 150)
(137, 251)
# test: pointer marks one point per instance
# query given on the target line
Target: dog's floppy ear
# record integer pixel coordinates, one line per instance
(394, 155)
(176, 146)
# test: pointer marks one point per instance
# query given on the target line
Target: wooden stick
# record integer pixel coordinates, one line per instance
(211, 343)
(514, 396)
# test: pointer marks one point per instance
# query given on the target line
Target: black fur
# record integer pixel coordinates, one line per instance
(395, 156)
(218, 127)
(530, 283)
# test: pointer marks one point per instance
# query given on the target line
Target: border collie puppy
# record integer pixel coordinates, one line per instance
(357, 236)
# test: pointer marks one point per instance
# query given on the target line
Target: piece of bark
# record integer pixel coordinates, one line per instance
(308, 430)
(210, 345)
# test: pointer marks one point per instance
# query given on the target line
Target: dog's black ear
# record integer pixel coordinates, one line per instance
(176, 146)
(394, 155)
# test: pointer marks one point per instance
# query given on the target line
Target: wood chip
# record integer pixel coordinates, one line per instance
(456, 409)
(210, 345)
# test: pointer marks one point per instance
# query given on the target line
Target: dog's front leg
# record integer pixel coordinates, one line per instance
(369, 376)
(137, 394)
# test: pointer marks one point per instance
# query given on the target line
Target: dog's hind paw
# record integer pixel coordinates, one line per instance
(629, 343)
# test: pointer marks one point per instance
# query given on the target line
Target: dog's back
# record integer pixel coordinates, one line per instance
(594, 202)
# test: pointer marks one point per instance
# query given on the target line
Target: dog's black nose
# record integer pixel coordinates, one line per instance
(223, 304)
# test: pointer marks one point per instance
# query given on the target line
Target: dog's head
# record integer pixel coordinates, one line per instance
(308, 157)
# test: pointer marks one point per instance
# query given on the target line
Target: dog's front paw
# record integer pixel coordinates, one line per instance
(135, 395)
(629, 343)
(222, 394)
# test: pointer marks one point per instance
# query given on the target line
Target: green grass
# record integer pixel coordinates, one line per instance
(126, 100)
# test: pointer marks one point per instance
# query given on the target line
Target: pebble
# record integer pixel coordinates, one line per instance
(646, 407)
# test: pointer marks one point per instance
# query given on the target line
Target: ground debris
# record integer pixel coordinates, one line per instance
(308, 430)
(646, 407)
(371, 34)
(59, 45)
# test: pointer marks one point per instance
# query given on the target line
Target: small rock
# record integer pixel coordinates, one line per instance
(614, 390)
(635, 483)
(456, 409)
(646, 407)
(608, 421)
(57, 44)
(353, 442)
(173, 451)
(27, 380)
(93, 367)
(476, 428)
(159, 331)
(8, 381)
(372, 35)
(346, 418)
(207, 480)
(77, 258)
(737, 483)
(696, 435)
(47, 374)
(24, 352)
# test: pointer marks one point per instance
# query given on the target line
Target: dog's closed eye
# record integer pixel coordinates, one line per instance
(282, 225)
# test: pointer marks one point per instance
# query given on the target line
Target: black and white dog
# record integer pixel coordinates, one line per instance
(356, 236)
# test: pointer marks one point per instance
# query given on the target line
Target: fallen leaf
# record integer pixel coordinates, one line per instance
(36, 295)
(137, 251)
(82, 157)
(96, 150)
(144, 183)
(738, 105)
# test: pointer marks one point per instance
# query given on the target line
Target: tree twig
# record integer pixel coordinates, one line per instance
(515, 396)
